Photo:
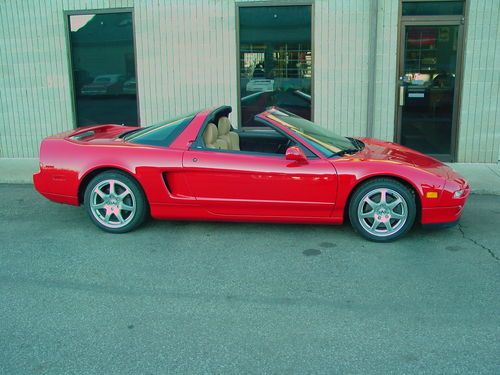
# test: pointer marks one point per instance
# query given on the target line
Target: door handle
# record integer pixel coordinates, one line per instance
(401, 95)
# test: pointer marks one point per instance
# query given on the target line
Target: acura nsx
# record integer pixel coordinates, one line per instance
(199, 167)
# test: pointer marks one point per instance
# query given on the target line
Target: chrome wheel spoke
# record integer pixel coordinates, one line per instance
(383, 196)
(392, 205)
(107, 216)
(388, 225)
(99, 206)
(119, 216)
(100, 193)
(124, 194)
(397, 216)
(370, 203)
(126, 207)
(375, 225)
(112, 187)
(365, 215)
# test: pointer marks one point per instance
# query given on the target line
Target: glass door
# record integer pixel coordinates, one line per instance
(429, 66)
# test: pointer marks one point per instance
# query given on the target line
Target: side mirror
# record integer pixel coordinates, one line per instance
(295, 153)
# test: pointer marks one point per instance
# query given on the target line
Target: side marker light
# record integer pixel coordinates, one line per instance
(431, 194)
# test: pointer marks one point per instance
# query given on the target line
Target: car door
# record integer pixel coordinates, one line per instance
(260, 185)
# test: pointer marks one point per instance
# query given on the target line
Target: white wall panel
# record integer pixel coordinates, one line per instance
(479, 132)
(186, 56)
(341, 65)
(384, 100)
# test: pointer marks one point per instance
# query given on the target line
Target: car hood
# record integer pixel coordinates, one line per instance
(388, 151)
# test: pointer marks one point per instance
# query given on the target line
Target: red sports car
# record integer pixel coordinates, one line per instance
(198, 167)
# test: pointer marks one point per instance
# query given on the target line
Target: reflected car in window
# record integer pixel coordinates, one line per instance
(260, 85)
(129, 86)
(106, 84)
(200, 167)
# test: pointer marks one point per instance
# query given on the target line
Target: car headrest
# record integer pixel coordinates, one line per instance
(211, 134)
(224, 125)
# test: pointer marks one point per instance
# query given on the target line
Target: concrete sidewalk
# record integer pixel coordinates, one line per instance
(483, 178)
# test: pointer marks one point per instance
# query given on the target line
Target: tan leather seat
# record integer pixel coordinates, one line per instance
(211, 138)
(225, 133)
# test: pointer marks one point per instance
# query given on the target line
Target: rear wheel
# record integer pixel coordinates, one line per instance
(382, 210)
(115, 202)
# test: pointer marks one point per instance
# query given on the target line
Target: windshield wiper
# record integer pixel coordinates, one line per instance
(356, 143)
(347, 151)
(358, 146)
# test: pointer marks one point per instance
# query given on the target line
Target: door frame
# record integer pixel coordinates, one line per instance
(433, 21)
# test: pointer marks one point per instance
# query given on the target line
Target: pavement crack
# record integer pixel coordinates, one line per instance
(490, 251)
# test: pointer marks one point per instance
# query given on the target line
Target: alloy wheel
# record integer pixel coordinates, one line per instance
(382, 212)
(112, 203)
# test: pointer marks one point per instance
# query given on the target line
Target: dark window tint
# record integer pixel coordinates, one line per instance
(433, 8)
(428, 88)
(275, 60)
(162, 134)
(102, 56)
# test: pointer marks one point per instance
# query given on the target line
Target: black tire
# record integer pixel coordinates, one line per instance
(119, 209)
(382, 219)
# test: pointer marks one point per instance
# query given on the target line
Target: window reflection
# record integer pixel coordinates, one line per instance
(102, 56)
(432, 8)
(430, 61)
(275, 60)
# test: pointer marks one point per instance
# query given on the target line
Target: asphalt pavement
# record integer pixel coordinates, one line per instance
(228, 298)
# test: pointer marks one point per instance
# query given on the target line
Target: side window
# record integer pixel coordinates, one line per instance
(218, 134)
(162, 134)
(264, 140)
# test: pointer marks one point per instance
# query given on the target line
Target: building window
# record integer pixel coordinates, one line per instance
(275, 60)
(432, 8)
(103, 64)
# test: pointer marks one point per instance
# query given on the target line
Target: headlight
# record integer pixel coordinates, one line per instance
(458, 193)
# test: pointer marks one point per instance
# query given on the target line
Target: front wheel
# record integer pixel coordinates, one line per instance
(382, 210)
(115, 202)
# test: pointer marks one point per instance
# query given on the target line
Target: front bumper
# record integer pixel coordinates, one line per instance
(449, 209)
(441, 215)
(451, 224)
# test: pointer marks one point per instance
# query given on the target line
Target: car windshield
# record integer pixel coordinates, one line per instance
(324, 140)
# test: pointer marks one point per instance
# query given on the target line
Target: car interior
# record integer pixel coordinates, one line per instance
(220, 134)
